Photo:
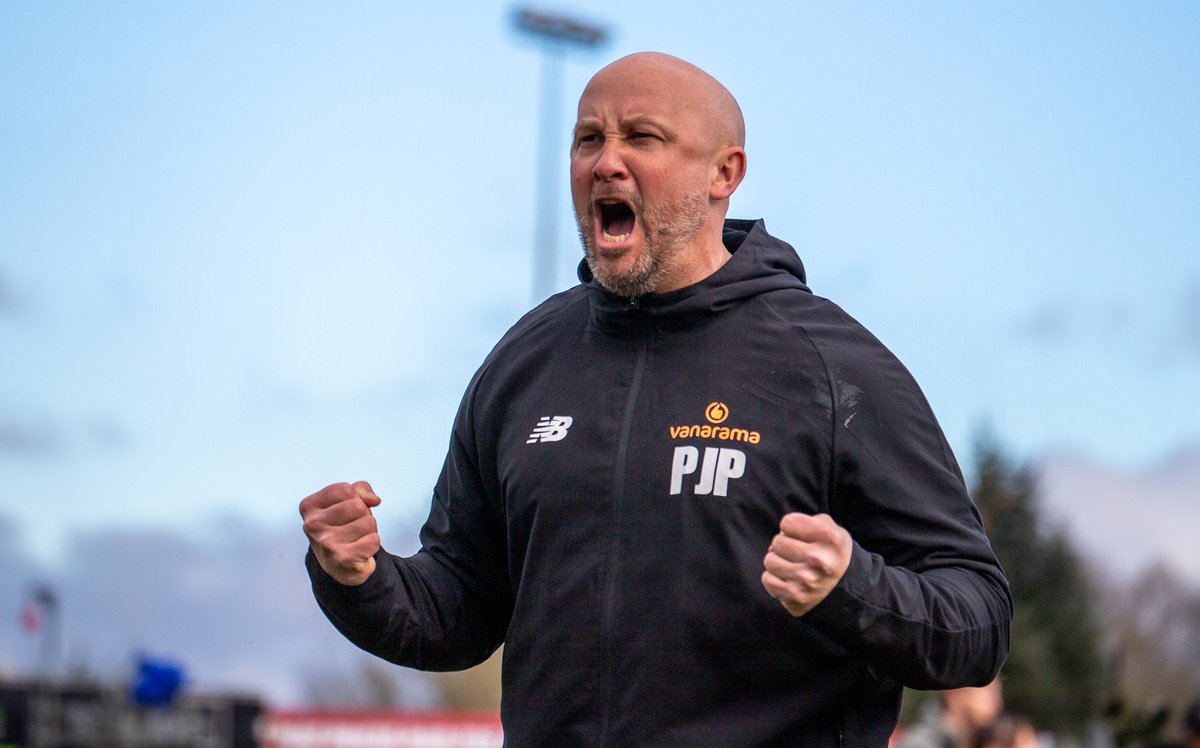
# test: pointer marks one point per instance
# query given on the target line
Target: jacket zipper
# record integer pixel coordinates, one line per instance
(618, 495)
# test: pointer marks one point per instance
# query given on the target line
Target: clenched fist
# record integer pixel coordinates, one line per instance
(342, 530)
(806, 560)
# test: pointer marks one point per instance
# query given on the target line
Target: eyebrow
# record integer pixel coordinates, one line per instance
(587, 123)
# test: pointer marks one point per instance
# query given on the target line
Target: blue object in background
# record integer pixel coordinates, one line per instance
(156, 682)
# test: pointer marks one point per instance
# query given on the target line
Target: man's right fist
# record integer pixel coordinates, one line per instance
(342, 530)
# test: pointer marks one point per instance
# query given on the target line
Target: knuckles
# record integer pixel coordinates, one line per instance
(805, 524)
(327, 496)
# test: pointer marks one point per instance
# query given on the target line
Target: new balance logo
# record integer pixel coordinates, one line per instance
(550, 429)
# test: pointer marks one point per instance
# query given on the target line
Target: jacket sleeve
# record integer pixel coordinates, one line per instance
(446, 607)
(924, 599)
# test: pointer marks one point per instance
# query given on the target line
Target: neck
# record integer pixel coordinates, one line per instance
(703, 256)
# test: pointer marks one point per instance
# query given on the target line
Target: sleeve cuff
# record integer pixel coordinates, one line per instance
(839, 616)
(328, 588)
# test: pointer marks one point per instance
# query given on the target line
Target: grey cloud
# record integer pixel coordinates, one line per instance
(235, 609)
(1052, 323)
(1129, 520)
(41, 436)
(24, 438)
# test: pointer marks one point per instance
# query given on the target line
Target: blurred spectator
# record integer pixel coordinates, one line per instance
(1008, 731)
(954, 717)
(1191, 726)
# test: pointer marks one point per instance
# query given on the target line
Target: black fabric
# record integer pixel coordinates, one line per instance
(620, 562)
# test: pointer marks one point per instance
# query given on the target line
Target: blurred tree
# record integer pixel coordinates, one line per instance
(369, 683)
(475, 689)
(1055, 670)
(1153, 629)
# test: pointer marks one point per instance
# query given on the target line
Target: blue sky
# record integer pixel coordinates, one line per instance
(247, 250)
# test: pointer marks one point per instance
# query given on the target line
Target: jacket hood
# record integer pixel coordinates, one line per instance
(760, 263)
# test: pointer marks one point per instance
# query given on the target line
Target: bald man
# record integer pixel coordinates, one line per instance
(698, 504)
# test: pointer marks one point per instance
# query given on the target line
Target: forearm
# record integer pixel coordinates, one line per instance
(411, 613)
(942, 627)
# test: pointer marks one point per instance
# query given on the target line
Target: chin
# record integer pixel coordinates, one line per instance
(624, 278)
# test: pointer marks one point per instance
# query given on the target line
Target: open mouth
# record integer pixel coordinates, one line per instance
(617, 220)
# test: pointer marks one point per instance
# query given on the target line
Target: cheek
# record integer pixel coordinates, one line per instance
(683, 179)
(581, 168)
(580, 182)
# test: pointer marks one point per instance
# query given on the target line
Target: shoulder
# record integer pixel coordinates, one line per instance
(850, 353)
(532, 337)
(545, 322)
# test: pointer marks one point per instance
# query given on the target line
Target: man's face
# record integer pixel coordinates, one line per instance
(977, 706)
(639, 180)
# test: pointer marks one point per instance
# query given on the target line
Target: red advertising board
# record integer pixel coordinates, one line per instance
(379, 729)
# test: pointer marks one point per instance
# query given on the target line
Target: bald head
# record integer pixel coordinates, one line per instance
(656, 154)
(718, 112)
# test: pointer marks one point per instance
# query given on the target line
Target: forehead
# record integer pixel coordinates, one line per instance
(631, 93)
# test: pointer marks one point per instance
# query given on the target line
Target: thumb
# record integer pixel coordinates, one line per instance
(363, 490)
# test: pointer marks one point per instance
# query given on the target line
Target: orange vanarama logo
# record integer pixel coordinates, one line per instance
(717, 413)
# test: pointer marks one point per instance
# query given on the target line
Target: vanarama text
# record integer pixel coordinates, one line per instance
(707, 431)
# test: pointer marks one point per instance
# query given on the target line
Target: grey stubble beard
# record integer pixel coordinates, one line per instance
(668, 229)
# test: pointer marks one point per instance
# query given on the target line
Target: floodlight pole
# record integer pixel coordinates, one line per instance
(555, 34)
(549, 144)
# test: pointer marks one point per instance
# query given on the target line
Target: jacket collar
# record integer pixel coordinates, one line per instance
(760, 263)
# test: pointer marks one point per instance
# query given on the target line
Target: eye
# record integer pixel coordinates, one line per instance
(587, 137)
(644, 139)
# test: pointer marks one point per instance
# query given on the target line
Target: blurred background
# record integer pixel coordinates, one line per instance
(247, 250)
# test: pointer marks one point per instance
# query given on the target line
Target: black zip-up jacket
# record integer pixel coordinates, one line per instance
(616, 472)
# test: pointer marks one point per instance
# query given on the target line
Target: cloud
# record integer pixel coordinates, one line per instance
(1059, 321)
(40, 436)
(1050, 324)
(28, 438)
(1126, 520)
(237, 611)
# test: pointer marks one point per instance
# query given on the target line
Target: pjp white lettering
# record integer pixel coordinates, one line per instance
(718, 467)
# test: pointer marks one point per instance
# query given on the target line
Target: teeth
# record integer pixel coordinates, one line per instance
(606, 202)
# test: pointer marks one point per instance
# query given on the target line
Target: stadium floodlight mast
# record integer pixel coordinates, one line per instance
(555, 35)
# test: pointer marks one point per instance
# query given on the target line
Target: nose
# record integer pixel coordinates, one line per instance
(609, 165)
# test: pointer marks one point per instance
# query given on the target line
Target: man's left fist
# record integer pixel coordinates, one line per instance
(806, 560)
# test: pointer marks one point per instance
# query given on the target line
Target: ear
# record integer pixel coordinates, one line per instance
(729, 166)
